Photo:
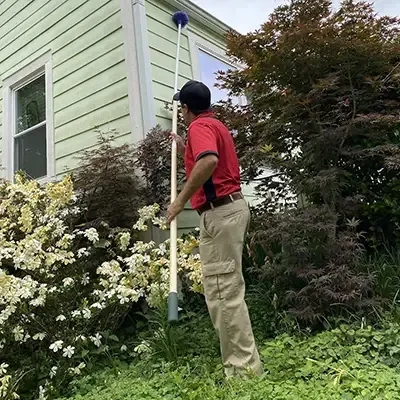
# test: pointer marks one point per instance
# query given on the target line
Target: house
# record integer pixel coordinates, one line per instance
(68, 66)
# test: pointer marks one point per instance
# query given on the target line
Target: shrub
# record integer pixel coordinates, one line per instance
(323, 115)
(312, 275)
(65, 289)
(107, 184)
(153, 159)
(384, 266)
(8, 385)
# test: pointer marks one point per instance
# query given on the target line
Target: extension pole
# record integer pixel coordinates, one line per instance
(173, 273)
(180, 19)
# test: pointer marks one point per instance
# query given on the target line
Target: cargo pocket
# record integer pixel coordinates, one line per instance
(220, 280)
(219, 268)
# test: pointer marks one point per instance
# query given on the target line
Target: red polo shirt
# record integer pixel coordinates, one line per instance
(207, 135)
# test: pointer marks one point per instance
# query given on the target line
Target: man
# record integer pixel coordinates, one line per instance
(213, 186)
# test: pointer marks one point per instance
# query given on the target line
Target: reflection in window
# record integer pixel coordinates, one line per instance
(209, 67)
(30, 153)
(31, 104)
(30, 139)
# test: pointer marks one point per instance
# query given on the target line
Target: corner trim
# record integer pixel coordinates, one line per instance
(144, 64)
(137, 61)
(132, 73)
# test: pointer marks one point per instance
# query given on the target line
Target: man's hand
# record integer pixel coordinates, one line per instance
(180, 143)
(175, 209)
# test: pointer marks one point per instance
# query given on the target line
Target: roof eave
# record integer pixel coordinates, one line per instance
(203, 17)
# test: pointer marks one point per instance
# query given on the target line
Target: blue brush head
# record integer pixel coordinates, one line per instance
(180, 18)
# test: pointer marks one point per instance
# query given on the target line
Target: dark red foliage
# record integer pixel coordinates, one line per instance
(324, 114)
(153, 159)
(107, 184)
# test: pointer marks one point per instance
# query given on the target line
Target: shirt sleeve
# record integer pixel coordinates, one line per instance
(203, 142)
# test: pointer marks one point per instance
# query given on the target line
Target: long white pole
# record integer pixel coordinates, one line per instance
(173, 280)
(177, 60)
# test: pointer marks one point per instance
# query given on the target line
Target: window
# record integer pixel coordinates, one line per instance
(209, 65)
(28, 136)
(207, 60)
(30, 153)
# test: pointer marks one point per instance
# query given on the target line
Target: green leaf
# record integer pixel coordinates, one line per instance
(84, 353)
(102, 244)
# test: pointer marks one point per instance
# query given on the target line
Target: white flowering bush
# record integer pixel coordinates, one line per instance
(7, 384)
(65, 289)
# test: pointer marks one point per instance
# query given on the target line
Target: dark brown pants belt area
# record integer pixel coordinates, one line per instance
(221, 201)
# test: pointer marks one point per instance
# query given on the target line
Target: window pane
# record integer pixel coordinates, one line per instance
(31, 104)
(30, 153)
(209, 67)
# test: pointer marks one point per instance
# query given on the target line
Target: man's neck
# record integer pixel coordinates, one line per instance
(203, 115)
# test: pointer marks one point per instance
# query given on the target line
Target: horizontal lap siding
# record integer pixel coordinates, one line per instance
(162, 35)
(89, 75)
(69, 162)
(1, 131)
(162, 41)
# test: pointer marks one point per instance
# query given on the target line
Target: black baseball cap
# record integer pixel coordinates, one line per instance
(196, 95)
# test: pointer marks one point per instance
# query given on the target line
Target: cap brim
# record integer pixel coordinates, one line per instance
(177, 96)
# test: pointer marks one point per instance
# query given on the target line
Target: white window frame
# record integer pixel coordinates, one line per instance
(41, 66)
(197, 43)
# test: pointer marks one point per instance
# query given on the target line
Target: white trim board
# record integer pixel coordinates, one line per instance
(197, 43)
(144, 64)
(135, 106)
(137, 61)
(41, 66)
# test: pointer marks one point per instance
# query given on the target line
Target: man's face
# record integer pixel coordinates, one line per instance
(186, 114)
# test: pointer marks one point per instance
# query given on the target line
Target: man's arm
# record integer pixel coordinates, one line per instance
(201, 173)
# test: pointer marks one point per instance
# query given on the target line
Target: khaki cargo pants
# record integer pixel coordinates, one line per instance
(222, 234)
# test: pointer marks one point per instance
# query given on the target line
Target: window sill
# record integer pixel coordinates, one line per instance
(47, 179)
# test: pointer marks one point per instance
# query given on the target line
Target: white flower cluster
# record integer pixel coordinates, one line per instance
(150, 213)
(50, 294)
(145, 272)
(6, 384)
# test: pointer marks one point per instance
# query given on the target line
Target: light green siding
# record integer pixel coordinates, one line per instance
(162, 42)
(89, 72)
